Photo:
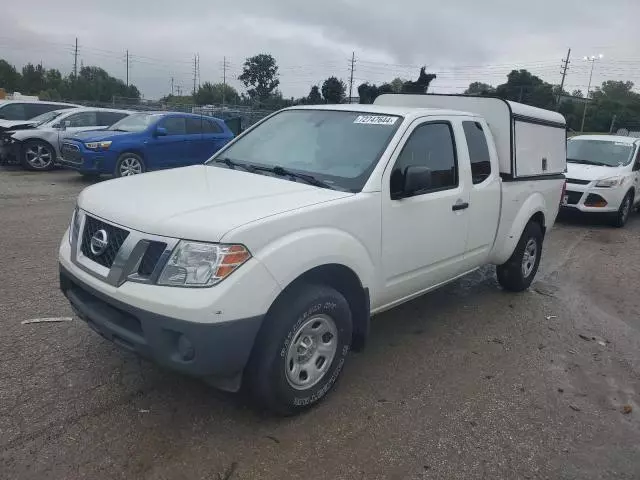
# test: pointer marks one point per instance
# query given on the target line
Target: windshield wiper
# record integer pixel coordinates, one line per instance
(283, 172)
(586, 162)
(232, 164)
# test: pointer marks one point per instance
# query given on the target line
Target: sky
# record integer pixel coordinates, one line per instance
(460, 40)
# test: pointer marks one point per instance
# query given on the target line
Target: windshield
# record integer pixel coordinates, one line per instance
(46, 117)
(337, 147)
(134, 123)
(599, 152)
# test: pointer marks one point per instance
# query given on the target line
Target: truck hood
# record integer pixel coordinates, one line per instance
(198, 202)
(581, 171)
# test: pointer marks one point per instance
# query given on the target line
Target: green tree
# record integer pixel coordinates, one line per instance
(260, 76)
(214, 93)
(367, 93)
(480, 89)
(524, 87)
(577, 93)
(397, 84)
(10, 78)
(333, 90)
(33, 79)
(314, 97)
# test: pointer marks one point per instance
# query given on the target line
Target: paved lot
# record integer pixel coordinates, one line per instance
(467, 382)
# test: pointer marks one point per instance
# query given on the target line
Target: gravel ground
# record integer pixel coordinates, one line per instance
(466, 382)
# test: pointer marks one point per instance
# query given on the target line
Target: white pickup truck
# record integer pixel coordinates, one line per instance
(263, 266)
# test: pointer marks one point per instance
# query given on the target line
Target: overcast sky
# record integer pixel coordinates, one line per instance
(460, 40)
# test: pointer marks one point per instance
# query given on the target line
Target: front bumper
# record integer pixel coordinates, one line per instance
(200, 349)
(89, 161)
(579, 194)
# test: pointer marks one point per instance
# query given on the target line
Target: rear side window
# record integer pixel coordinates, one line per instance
(430, 145)
(82, 119)
(14, 111)
(174, 125)
(211, 126)
(35, 109)
(194, 126)
(109, 118)
(478, 151)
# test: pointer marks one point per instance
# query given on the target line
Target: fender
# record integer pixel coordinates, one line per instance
(508, 235)
(290, 256)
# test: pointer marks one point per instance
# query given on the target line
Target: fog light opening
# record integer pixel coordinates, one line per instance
(186, 350)
(594, 200)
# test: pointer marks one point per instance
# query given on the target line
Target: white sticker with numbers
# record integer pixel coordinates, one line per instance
(375, 120)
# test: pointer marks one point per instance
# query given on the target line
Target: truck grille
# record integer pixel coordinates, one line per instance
(573, 197)
(150, 258)
(71, 153)
(115, 237)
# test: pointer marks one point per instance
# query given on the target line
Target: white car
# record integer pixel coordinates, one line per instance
(603, 172)
(265, 264)
(36, 143)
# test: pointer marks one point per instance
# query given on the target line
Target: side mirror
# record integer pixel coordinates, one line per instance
(416, 179)
(161, 132)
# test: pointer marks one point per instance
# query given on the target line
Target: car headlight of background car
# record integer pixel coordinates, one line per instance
(196, 264)
(610, 182)
(98, 145)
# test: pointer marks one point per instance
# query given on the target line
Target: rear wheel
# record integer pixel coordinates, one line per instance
(622, 215)
(129, 164)
(300, 350)
(38, 155)
(519, 271)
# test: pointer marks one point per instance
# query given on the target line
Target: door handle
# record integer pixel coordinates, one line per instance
(460, 206)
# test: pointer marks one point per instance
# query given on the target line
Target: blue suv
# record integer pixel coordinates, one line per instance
(145, 141)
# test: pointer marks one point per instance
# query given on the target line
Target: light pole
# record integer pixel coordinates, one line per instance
(591, 59)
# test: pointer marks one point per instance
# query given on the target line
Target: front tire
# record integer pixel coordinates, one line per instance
(129, 164)
(622, 215)
(38, 156)
(300, 350)
(519, 271)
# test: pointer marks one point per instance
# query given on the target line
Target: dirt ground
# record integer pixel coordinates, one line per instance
(467, 382)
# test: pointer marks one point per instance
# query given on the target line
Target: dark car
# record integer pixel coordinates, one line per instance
(145, 141)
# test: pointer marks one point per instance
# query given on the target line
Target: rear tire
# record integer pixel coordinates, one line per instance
(622, 215)
(129, 164)
(300, 349)
(38, 156)
(517, 273)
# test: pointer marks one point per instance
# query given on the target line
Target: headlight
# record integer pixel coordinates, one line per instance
(195, 264)
(610, 182)
(74, 225)
(98, 145)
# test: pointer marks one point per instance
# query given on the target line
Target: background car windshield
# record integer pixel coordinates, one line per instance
(340, 148)
(605, 152)
(47, 117)
(134, 123)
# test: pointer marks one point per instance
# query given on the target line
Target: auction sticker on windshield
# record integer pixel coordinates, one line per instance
(375, 120)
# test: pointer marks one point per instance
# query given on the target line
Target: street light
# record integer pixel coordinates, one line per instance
(591, 59)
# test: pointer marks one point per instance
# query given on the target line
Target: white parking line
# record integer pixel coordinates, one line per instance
(47, 320)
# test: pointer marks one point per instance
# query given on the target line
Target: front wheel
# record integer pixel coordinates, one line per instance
(129, 164)
(519, 271)
(622, 215)
(300, 350)
(38, 155)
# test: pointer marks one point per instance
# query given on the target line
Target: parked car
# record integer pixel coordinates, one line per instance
(146, 141)
(37, 144)
(20, 110)
(603, 175)
(265, 264)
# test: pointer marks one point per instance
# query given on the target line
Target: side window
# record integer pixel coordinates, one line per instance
(174, 125)
(211, 126)
(478, 151)
(14, 111)
(194, 126)
(82, 119)
(430, 145)
(109, 118)
(35, 109)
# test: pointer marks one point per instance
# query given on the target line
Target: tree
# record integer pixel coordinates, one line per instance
(314, 97)
(333, 90)
(397, 84)
(577, 93)
(33, 79)
(260, 72)
(212, 93)
(480, 89)
(524, 87)
(10, 78)
(367, 92)
(421, 85)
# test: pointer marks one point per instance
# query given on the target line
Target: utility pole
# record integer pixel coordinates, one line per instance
(195, 73)
(565, 67)
(591, 59)
(198, 57)
(75, 60)
(172, 86)
(127, 60)
(224, 80)
(353, 61)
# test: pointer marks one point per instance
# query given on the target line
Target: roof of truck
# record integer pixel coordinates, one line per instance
(607, 138)
(384, 110)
